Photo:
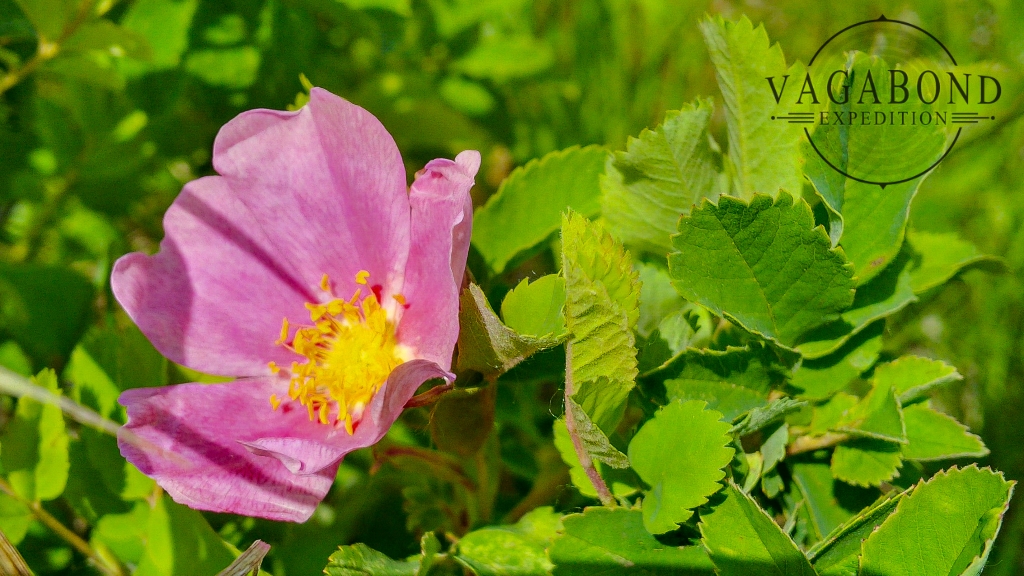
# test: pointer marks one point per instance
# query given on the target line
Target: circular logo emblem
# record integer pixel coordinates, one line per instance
(883, 101)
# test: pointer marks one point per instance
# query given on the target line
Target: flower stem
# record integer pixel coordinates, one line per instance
(603, 494)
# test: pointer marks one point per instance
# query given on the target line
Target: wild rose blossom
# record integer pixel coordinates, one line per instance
(307, 270)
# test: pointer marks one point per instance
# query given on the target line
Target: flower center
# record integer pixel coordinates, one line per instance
(350, 351)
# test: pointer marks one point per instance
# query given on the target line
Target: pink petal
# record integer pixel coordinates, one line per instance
(442, 216)
(221, 447)
(204, 426)
(301, 194)
(214, 296)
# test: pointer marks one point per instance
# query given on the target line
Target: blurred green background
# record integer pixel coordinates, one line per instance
(108, 107)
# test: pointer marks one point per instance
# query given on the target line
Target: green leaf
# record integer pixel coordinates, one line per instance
(866, 461)
(765, 155)
(517, 549)
(742, 539)
(773, 449)
(528, 206)
(361, 560)
(839, 553)
(124, 534)
(913, 376)
(535, 309)
(659, 176)
(45, 309)
(179, 542)
(594, 441)
(829, 502)
(613, 542)
(621, 482)
(828, 415)
(762, 416)
(764, 266)
(681, 454)
(885, 295)
(819, 378)
(730, 400)
(601, 312)
(752, 367)
(945, 526)
(939, 257)
(878, 415)
(35, 446)
(933, 435)
(668, 323)
(488, 346)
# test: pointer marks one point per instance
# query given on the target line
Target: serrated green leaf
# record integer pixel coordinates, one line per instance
(765, 155)
(866, 461)
(752, 367)
(621, 482)
(681, 454)
(839, 553)
(883, 296)
(528, 206)
(945, 526)
(594, 440)
(764, 266)
(933, 435)
(829, 502)
(35, 446)
(742, 539)
(601, 312)
(878, 415)
(659, 176)
(361, 560)
(941, 256)
(828, 415)
(729, 399)
(819, 378)
(613, 542)
(488, 346)
(535, 309)
(762, 416)
(913, 376)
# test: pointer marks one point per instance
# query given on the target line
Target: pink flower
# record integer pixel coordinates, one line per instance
(307, 270)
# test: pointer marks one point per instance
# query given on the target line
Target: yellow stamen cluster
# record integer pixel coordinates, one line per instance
(350, 350)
